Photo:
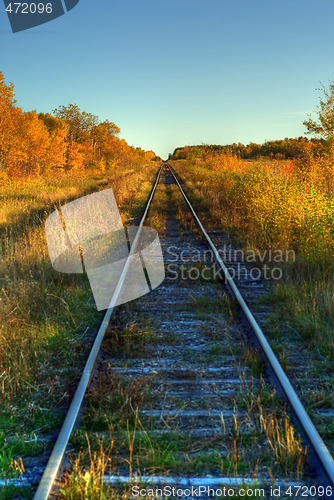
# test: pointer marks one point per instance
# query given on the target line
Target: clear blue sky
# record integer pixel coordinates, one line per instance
(177, 72)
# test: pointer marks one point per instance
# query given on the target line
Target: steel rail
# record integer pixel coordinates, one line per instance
(53, 465)
(321, 451)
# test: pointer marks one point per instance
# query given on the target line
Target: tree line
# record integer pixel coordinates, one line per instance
(34, 143)
(321, 145)
(278, 149)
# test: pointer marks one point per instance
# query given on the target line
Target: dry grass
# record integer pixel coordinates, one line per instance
(275, 205)
(46, 317)
(269, 202)
(140, 452)
(286, 445)
(87, 483)
(36, 302)
(269, 419)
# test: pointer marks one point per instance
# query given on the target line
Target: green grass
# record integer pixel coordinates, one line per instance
(128, 340)
(24, 493)
(217, 349)
(306, 302)
(221, 303)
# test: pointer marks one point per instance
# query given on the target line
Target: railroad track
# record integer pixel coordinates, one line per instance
(198, 403)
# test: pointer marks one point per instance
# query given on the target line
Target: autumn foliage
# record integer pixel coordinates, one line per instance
(67, 139)
(279, 149)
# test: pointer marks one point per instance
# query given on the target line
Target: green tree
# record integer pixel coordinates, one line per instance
(323, 127)
(52, 123)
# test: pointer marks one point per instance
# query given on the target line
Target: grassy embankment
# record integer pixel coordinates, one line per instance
(47, 318)
(277, 205)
